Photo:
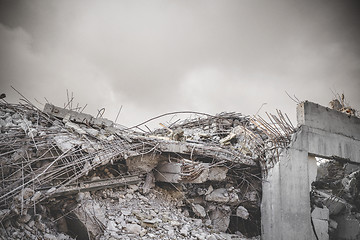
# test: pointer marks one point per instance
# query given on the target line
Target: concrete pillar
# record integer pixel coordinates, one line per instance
(285, 207)
(286, 195)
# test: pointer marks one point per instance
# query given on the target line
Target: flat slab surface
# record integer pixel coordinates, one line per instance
(316, 116)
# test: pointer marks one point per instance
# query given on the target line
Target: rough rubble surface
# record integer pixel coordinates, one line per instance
(68, 175)
(335, 200)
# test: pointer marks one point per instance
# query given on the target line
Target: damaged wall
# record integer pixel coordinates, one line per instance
(286, 210)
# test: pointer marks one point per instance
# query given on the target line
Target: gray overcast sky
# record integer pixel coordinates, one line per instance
(158, 56)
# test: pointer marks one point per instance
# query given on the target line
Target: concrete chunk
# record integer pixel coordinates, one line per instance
(133, 228)
(177, 172)
(320, 213)
(242, 212)
(143, 163)
(217, 173)
(321, 228)
(218, 195)
(220, 218)
(167, 177)
(198, 210)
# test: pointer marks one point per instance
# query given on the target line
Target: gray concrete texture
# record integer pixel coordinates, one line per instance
(285, 207)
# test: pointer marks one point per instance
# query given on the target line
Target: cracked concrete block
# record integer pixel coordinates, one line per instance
(218, 195)
(242, 212)
(143, 163)
(220, 218)
(320, 213)
(149, 182)
(133, 228)
(88, 219)
(333, 224)
(75, 127)
(321, 228)
(198, 210)
(217, 173)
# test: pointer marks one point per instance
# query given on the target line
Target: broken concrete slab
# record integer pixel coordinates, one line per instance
(149, 182)
(198, 210)
(219, 195)
(321, 229)
(75, 127)
(143, 163)
(66, 143)
(206, 151)
(220, 218)
(217, 173)
(133, 228)
(320, 213)
(167, 177)
(188, 171)
(332, 225)
(77, 117)
(94, 185)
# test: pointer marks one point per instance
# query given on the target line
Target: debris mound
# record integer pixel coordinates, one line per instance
(66, 175)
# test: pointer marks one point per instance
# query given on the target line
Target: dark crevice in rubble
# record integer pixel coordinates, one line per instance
(76, 228)
(249, 227)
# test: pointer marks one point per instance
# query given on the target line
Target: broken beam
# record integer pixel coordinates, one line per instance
(217, 153)
(96, 185)
(214, 152)
(76, 116)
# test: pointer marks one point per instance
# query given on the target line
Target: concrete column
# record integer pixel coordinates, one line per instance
(271, 205)
(286, 195)
(285, 207)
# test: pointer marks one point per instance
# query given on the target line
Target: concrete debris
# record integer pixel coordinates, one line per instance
(217, 173)
(198, 210)
(149, 182)
(67, 175)
(133, 228)
(321, 229)
(220, 217)
(187, 171)
(143, 163)
(242, 212)
(218, 195)
(340, 105)
(320, 221)
(332, 226)
(335, 201)
(320, 213)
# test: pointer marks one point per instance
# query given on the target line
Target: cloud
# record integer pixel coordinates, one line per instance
(159, 56)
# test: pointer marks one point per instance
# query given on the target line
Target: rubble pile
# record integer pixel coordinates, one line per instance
(66, 174)
(335, 199)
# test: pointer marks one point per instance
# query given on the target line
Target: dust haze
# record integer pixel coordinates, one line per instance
(153, 57)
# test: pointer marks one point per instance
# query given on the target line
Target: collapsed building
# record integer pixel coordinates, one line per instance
(69, 175)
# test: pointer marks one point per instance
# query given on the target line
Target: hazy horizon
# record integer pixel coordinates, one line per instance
(153, 57)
